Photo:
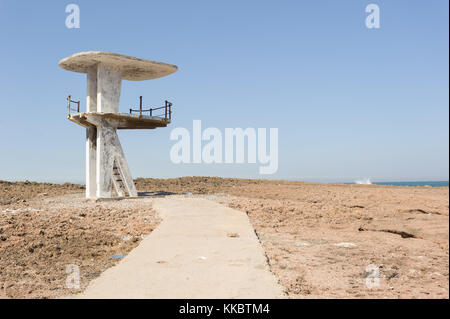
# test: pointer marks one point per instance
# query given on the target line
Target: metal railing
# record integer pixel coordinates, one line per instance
(69, 105)
(164, 112)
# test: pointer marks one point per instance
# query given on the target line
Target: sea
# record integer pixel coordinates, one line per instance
(421, 183)
(430, 183)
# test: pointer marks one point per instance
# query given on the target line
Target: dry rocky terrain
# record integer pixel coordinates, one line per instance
(41, 235)
(330, 240)
(321, 240)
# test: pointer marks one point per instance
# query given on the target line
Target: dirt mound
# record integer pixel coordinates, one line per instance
(13, 192)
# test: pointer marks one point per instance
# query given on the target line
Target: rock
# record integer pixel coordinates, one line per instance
(233, 235)
(346, 245)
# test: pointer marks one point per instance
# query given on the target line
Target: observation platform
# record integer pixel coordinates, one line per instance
(107, 171)
(122, 121)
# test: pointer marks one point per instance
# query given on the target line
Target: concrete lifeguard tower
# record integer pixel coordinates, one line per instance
(107, 172)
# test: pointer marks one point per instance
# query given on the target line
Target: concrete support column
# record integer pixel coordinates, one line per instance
(91, 96)
(105, 159)
(109, 151)
(91, 134)
(91, 163)
(109, 85)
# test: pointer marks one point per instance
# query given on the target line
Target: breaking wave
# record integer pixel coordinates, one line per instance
(363, 181)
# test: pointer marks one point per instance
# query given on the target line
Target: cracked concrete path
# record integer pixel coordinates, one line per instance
(201, 249)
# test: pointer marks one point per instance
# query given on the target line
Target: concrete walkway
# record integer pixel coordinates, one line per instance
(200, 250)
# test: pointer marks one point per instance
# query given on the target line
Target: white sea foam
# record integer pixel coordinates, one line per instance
(365, 181)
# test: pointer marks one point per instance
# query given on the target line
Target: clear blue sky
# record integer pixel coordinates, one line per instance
(349, 102)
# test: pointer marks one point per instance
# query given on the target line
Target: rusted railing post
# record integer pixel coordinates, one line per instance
(165, 111)
(68, 104)
(140, 106)
(78, 107)
(151, 112)
(170, 111)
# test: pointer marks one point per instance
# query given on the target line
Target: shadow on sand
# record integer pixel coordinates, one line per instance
(155, 194)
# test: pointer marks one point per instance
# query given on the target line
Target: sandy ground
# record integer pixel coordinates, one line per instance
(40, 237)
(328, 241)
(322, 241)
(20, 192)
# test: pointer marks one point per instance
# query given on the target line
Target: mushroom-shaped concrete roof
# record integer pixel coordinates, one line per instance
(133, 69)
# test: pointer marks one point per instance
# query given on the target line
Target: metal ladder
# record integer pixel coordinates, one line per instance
(118, 183)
